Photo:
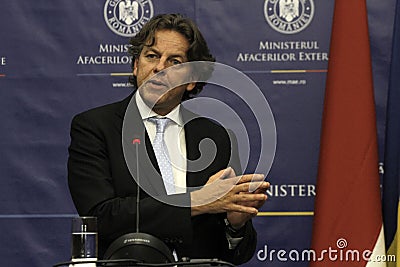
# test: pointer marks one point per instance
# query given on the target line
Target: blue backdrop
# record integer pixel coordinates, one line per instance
(58, 58)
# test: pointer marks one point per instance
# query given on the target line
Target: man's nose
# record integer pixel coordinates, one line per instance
(161, 65)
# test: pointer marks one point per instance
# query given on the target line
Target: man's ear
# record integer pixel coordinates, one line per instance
(190, 86)
(135, 66)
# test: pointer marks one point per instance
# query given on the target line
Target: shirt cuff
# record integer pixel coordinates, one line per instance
(233, 241)
(232, 235)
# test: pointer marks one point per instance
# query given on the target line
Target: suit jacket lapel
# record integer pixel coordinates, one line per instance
(133, 128)
(192, 132)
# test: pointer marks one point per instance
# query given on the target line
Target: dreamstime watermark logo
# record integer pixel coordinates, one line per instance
(340, 253)
(341, 243)
(237, 84)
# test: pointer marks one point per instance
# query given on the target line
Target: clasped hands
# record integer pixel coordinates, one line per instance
(239, 196)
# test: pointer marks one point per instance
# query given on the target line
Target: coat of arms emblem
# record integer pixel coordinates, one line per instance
(128, 11)
(126, 17)
(289, 9)
(289, 16)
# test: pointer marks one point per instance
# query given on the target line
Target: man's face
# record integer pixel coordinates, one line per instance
(169, 49)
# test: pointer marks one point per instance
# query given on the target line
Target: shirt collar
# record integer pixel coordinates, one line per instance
(146, 112)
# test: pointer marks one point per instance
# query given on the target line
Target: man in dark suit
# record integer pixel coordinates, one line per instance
(195, 220)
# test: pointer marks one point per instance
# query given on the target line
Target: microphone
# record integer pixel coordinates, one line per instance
(136, 143)
(139, 246)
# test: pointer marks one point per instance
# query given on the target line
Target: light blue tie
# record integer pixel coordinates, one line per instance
(162, 155)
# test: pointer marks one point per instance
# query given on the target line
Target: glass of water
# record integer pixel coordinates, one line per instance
(84, 239)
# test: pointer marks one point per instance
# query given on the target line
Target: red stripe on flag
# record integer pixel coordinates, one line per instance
(348, 203)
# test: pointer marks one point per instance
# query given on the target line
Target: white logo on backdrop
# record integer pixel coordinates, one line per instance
(127, 17)
(289, 16)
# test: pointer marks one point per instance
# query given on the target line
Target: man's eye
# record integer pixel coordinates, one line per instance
(176, 62)
(151, 56)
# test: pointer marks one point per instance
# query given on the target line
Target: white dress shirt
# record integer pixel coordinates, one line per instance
(174, 137)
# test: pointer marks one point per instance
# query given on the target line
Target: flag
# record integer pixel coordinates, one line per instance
(392, 151)
(347, 223)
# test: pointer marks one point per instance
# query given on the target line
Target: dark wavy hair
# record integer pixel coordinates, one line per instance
(198, 48)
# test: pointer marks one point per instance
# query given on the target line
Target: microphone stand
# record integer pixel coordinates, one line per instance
(136, 142)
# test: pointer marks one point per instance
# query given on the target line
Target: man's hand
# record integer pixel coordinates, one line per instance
(239, 219)
(226, 192)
